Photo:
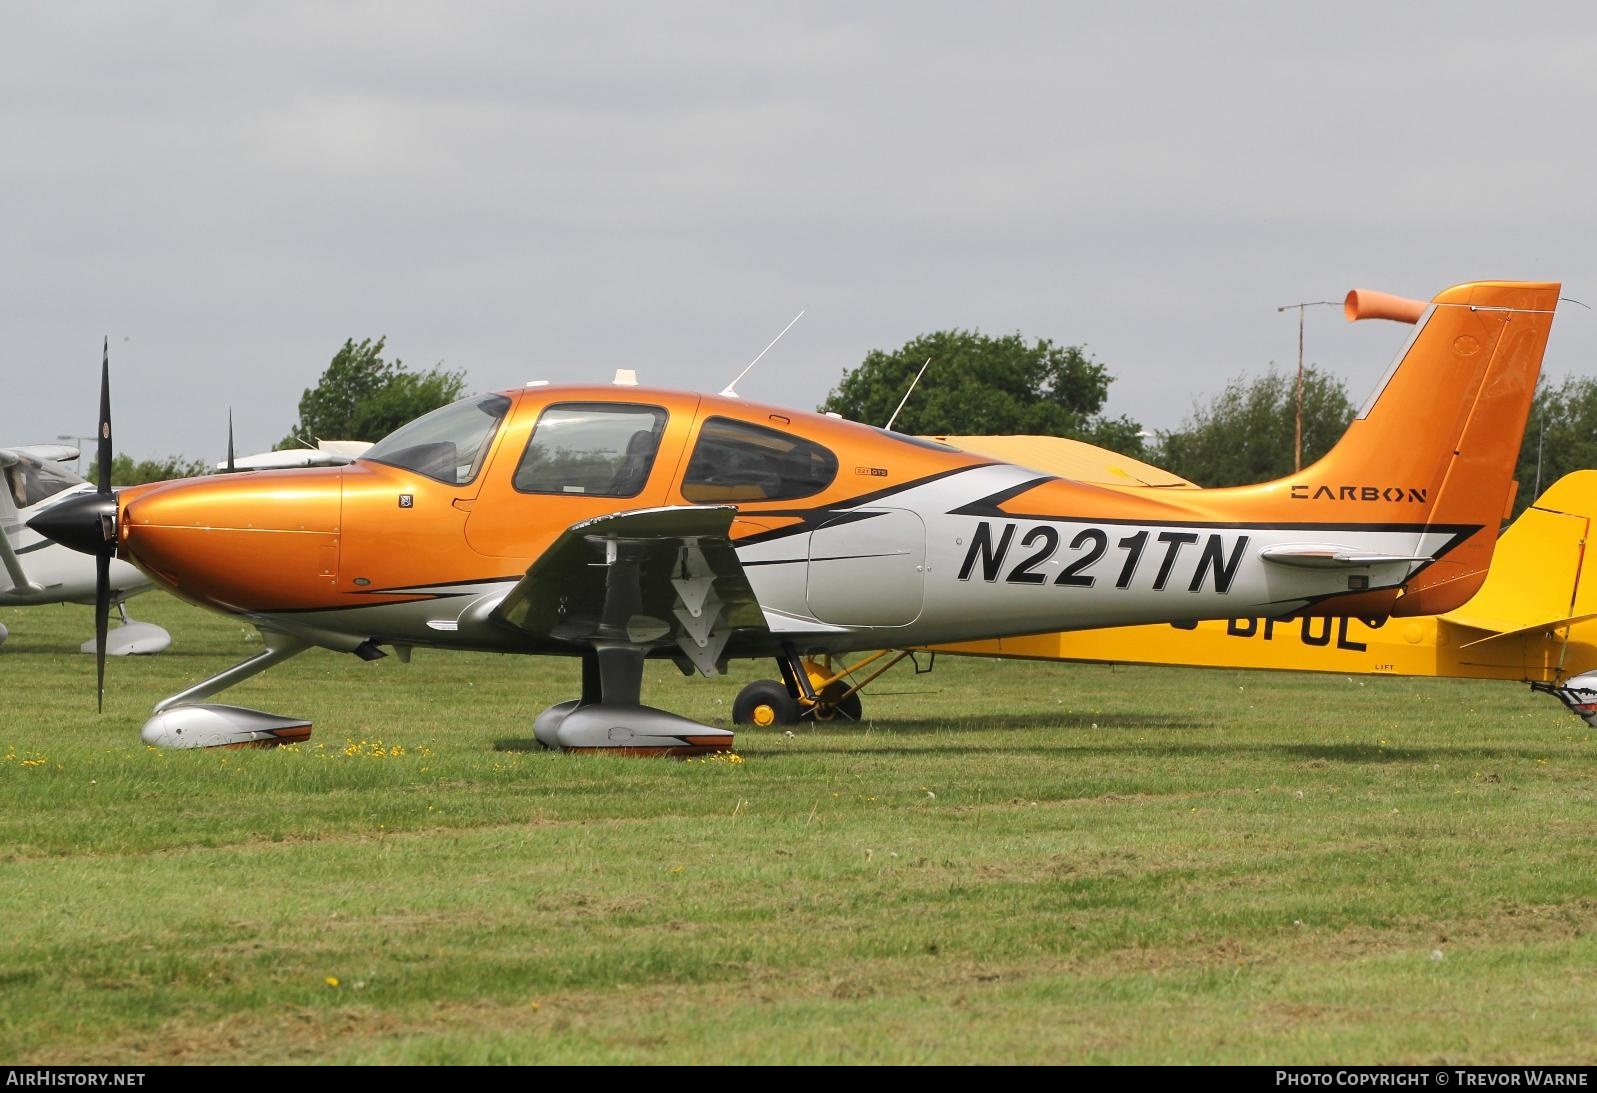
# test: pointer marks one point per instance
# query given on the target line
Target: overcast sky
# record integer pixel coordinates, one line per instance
(552, 191)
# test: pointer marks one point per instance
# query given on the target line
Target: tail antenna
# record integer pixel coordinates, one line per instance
(905, 399)
(728, 391)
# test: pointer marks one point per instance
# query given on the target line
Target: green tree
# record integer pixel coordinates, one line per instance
(126, 472)
(981, 385)
(1246, 433)
(363, 397)
(1561, 436)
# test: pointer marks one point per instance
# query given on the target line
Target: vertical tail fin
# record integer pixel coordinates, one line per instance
(1438, 443)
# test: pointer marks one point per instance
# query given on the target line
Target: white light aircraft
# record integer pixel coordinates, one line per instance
(33, 570)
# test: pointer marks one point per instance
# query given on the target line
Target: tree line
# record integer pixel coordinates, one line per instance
(1245, 433)
(976, 384)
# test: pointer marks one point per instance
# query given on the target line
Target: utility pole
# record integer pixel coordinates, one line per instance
(1297, 429)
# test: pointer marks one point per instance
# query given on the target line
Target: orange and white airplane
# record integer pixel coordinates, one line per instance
(619, 523)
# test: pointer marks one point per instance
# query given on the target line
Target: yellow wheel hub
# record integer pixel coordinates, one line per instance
(764, 715)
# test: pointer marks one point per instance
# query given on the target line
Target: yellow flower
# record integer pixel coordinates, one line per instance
(331, 981)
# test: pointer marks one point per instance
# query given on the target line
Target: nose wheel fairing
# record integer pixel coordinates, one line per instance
(182, 721)
(209, 725)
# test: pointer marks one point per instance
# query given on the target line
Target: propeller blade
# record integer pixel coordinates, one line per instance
(107, 545)
(102, 611)
(104, 483)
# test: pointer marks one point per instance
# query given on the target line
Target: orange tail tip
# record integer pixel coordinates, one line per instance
(1363, 303)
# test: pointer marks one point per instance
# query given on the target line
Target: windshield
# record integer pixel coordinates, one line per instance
(447, 444)
(31, 480)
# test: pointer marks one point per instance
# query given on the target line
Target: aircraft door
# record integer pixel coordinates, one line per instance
(867, 567)
(578, 460)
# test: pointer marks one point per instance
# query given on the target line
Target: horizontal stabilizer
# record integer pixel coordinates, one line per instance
(1331, 557)
(1530, 628)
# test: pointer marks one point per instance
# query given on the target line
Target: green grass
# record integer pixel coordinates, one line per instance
(1009, 863)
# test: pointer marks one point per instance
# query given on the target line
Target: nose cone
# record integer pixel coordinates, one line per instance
(86, 523)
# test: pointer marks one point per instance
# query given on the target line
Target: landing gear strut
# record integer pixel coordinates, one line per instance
(182, 721)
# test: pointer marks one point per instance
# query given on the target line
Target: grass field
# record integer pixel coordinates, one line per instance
(1008, 863)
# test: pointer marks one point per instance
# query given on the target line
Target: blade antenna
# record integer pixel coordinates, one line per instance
(905, 399)
(230, 466)
(729, 391)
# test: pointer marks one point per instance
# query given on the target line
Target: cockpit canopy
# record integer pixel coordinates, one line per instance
(30, 480)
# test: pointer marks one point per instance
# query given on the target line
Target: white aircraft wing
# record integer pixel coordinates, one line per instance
(330, 453)
(647, 579)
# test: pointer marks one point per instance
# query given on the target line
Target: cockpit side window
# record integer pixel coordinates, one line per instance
(737, 461)
(448, 444)
(598, 449)
(32, 480)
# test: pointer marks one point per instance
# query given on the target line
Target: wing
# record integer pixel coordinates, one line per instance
(646, 579)
(288, 459)
(48, 453)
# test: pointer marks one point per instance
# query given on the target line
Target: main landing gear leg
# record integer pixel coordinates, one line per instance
(610, 716)
(182, 722)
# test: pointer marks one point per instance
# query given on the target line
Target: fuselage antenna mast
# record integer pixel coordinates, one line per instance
(905, 399)
(728, 392)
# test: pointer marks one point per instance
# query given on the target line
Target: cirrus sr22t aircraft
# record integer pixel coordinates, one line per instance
(619, 523)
